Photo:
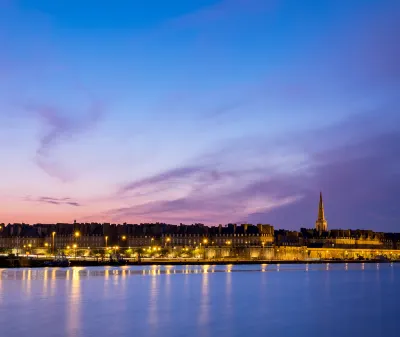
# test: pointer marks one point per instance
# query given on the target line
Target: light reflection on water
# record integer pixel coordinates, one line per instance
(107, 272)
(209, 300)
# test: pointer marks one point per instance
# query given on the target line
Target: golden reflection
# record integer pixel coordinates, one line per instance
(53, 281)
(73, 322)
(167, 295)
(116, 278)
(228, 295)
(1, 286)
(152, 318)
(45, 281)
(204, 302)
(264, 267)
(27, 282)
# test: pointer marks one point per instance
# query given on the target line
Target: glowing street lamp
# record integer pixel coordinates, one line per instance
(74, 246)
(77, 234)
(53, 234)
(205, 241)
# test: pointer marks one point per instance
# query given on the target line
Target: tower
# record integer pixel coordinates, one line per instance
(321, 224)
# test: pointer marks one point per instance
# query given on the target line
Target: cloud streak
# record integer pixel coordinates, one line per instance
(61, 126)
(54, 201)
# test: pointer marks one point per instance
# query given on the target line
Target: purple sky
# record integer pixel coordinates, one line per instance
(209, 111)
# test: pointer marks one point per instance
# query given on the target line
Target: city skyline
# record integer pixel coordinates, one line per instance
(195, 113)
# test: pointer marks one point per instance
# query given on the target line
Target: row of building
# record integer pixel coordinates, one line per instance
(96, 235)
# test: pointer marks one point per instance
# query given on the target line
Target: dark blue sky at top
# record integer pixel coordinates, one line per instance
(201, 111)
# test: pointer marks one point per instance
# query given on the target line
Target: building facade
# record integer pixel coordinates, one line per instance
(223, 239)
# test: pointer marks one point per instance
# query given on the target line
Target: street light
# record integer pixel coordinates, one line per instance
(53, 234)
(77, 234)
(123, 237)
(106, 238)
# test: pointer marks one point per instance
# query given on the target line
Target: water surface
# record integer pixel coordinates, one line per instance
(253, 300)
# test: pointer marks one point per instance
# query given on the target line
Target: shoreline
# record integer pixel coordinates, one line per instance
(40, 263)
(224, 262)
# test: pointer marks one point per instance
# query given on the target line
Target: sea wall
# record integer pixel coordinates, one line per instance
(290, 253)
(284, 253)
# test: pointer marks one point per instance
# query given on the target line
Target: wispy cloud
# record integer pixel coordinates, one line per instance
(60, 126)
(54, 201)
(164, 177)
(208, 192)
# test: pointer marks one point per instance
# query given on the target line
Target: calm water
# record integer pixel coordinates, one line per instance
(286, 300)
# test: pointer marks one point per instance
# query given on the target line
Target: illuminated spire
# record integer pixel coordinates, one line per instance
(321, 224)
(321, 213)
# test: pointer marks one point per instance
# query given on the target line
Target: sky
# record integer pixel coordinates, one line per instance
(201, 111)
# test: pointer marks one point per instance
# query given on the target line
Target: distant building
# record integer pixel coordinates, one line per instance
(321, 225)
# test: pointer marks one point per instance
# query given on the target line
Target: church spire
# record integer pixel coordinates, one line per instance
(321, 214)
(321, 224)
